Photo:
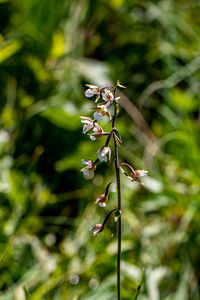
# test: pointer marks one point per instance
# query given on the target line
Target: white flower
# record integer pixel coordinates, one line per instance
(103, 152)
(141, 173)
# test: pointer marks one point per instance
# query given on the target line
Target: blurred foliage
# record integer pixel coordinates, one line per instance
(48, 50)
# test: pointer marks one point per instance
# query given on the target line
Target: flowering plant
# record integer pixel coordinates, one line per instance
(94, 130)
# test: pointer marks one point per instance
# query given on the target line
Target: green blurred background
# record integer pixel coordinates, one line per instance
(49, 49)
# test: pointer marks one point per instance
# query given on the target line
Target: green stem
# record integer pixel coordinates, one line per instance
(119, 208)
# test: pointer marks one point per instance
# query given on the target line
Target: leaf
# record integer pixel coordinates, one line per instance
(139, 285)
(26, 293)
(9, 49)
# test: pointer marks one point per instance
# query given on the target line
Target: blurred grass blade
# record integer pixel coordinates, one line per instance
(9, 49)
(6, 250)
(26, 293)
(139, 285)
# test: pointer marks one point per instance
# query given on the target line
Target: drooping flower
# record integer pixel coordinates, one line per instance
(93, 90)
(103, 152)
(89, 169)
(135, 174)
(101, 200)
(96, 229)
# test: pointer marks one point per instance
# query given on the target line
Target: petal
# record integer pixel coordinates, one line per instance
(84, 129)
(97, 117)
(89, 93)
(91, 86)
(104, 97)
(86, 173)
(92, 137)
(102, 158)
(85, 161)
(102, 204)
(113, 188)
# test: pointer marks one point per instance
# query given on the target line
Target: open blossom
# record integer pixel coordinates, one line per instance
(101, 200)
(101, 111)
(96, 229)
(97, 132)
(103, 152)
(107, 95)
(89, 169)
(93, 90)
(88, 124)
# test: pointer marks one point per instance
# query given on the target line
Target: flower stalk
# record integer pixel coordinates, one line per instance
(119, 205)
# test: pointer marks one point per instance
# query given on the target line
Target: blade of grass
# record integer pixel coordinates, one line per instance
(139, 285)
